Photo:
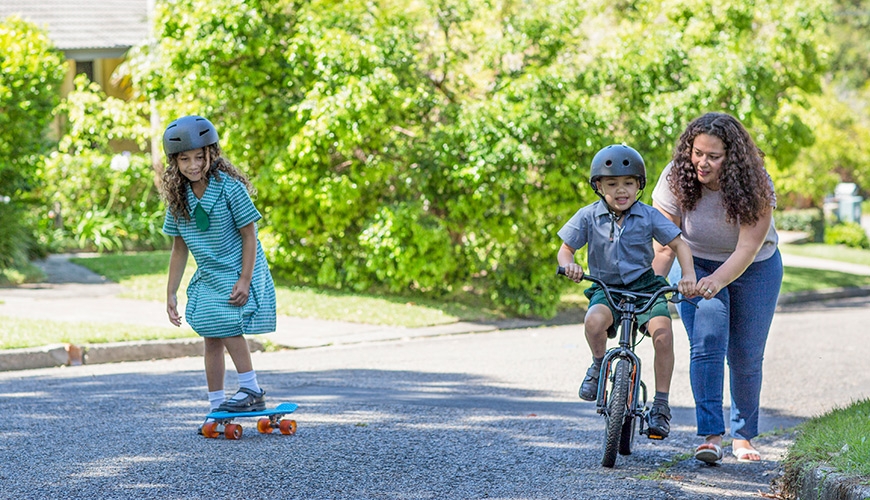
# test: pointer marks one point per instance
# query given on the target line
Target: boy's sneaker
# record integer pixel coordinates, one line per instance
(589, 387)
(658, 419)
(252, 401)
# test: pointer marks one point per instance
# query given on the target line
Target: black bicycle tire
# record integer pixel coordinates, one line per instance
(627, 437)
(629, 427)
(617, 403)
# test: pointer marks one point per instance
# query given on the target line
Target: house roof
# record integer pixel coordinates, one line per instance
(82, 28)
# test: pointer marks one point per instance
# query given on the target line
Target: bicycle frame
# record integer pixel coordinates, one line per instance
(628, 329)
(628, 392)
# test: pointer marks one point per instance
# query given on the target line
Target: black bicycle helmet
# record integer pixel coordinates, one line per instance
(188, 132)
(616, 160)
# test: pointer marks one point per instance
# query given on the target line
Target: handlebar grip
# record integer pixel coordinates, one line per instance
(560, 270)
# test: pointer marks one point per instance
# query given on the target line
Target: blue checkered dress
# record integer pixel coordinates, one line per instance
(218, 255)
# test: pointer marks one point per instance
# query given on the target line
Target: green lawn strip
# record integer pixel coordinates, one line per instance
(18, 333)
(799, 279)
(839, 439)
(839, 253)
(143, 276)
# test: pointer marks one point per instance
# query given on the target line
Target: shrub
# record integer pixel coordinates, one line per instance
(850, 234)
(31, 71)
(407, 248)
(809, 220)
(100, 199)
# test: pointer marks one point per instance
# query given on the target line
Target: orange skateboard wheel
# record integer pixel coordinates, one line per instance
(209, 430)
(287, 427)
(233, 431)
(264, 425)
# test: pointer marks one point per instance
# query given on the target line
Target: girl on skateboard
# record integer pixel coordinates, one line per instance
(210, 215)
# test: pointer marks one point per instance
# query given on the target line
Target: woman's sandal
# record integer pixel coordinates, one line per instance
(746, 455)
(709, 453)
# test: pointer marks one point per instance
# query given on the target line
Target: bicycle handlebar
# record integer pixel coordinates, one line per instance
(651, 297)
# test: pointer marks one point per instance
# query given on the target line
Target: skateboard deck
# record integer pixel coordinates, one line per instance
(270, 420)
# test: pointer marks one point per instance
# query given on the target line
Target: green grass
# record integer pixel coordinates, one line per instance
(839, 253)
(802, 279)
(839, 439)
(18, 333)
(799, 279)
(143, 276)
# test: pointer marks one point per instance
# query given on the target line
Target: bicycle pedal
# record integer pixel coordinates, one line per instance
(655, 436)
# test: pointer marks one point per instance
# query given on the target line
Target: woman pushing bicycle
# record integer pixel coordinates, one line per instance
(717, 189)
(618, 231)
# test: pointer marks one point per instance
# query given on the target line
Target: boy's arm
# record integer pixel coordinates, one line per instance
(177, 263)
(664, 254)
(688, 281)
(566, 260)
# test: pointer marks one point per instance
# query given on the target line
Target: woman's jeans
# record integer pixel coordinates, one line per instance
(733, 324)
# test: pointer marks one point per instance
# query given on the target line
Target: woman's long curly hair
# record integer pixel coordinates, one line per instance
(743, 180)
(174, 188)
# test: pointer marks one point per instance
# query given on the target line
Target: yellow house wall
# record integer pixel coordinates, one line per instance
(103, 70)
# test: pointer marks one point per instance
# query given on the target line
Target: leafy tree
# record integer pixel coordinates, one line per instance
(839, 117)
(31, 71)
(426, 145)
(103, 200)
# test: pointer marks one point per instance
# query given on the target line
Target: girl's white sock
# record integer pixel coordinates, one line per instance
(215, 398)
(248, 380)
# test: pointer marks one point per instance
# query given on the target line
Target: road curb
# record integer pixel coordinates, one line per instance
(116, 352)
(112, 352)
(825, 484)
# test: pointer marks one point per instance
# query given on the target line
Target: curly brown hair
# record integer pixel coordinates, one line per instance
(174, 189)
(745, 184)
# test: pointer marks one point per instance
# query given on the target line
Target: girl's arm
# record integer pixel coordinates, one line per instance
(177, 263)
(242, 288)
(749, 242)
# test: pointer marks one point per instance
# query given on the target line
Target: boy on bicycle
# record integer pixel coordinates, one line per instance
(619, 231)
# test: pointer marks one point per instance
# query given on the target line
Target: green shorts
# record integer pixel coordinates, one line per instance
(648, 283)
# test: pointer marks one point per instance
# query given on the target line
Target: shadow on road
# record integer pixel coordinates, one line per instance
(362, 434)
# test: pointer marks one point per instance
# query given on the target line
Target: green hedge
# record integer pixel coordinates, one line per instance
(850, 234)
(810, 221)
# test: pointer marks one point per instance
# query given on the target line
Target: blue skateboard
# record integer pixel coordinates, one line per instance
(271, 420)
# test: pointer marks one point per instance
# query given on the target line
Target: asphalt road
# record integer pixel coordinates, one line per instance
(487, 415)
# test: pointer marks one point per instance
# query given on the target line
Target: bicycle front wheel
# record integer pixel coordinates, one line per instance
(617, 411)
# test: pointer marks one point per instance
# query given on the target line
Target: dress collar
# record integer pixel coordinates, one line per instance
(210, 196)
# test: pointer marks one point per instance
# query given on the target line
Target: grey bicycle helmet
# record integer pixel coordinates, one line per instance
(616, 160)
(188, 132)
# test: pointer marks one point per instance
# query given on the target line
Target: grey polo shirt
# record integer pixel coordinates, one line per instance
(630, 254)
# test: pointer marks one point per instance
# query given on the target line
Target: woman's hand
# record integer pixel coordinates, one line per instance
(708, 287)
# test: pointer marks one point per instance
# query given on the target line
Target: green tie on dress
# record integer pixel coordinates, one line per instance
(201, 217)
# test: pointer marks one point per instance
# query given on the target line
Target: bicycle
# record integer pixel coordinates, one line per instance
(625, 404)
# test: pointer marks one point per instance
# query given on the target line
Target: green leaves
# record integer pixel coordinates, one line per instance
(31, 71)
(428, 145)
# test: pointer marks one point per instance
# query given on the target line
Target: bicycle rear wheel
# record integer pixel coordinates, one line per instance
(617, 411)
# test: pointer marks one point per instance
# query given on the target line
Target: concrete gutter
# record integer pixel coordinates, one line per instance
(824, 484)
